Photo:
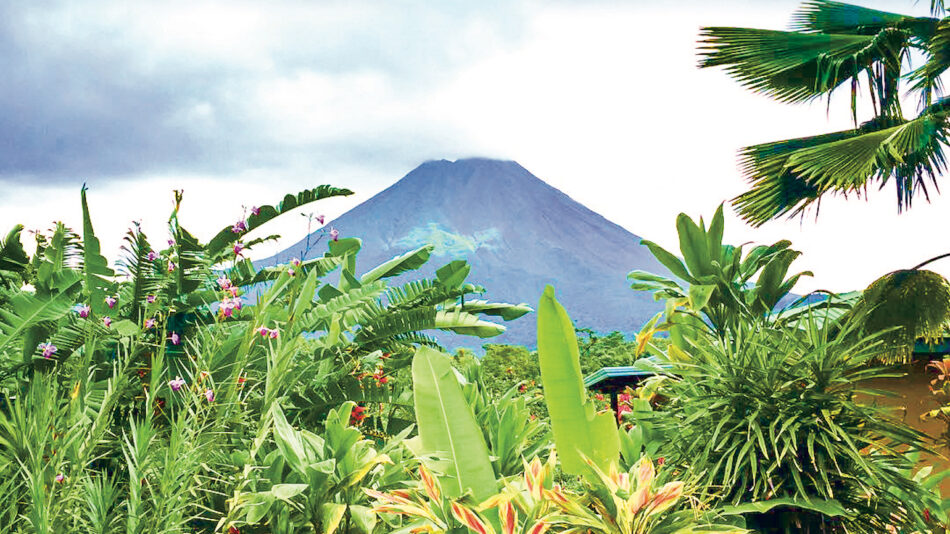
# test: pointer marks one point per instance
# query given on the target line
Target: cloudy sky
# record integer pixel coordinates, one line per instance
(239, 102)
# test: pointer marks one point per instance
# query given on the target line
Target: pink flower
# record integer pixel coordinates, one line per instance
(60, 478)
(255, 210)
(175, 339)
(171, 242)
(209, 394)
(320, 219)
(152, 256)
(150, 299)
(171, 266)
(295, 262)
(149, 323)
(238, 247)
(239, 227)
(291, 272)
(227, 308)
(334, 234)
(110, 301)
(107, 321)
(48, 349)
(224, 282)
(273, 334)
(234, 292)
(176, 384)
(263, 331)
(83, 310)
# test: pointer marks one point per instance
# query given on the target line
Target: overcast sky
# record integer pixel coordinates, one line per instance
(240, 102)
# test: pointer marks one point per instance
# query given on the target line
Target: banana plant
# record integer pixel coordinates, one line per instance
(313, 481)
(579, 430)
(448, 430)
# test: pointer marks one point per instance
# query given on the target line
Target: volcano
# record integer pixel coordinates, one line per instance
(518, 233)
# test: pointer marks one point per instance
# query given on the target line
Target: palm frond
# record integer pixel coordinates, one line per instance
(825, 16)
(799, 67)
(788, 176)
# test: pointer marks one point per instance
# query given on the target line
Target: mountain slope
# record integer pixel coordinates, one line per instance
(519, 234)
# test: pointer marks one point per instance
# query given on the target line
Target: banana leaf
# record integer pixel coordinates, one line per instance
(447, 428)
(579, 431)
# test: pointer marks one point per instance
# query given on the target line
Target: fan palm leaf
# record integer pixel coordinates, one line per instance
(788, 176)
(796, 67)
(824, 16)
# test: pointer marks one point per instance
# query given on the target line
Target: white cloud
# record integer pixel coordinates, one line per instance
(601, 99)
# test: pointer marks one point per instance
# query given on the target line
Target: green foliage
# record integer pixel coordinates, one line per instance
(724, 287)
(312, 480)
(448, 429)
(832, 45)
(770, 413)
(167, 407)
(907, 305)
(510, 427)
(579, 432)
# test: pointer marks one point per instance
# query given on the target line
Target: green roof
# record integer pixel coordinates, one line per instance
(628, 372)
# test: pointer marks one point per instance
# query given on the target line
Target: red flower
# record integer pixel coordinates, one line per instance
(385, 355)
(927, 515)
(522, 388)
(357, 415)
(660, 461)
(599, 396)
(233, 530)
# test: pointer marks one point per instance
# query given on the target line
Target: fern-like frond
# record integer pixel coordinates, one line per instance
(220, 243)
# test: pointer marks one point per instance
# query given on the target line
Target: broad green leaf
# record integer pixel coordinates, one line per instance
(699, 295)
(447, 427)
(285, 492)
(453, 273)
(670, 261)
(24, 310)
(363, 518)
(508, 312)
(830, 507)
(400, 264)
(125, 328)
(693, 246)
(714, 235)
(12, 255)
(579, 431)
(462, 322)
(95, 265)
(330, 516)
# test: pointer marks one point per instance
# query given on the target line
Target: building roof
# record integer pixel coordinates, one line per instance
(612, 377)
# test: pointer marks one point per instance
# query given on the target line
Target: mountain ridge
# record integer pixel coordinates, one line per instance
(518, 232)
